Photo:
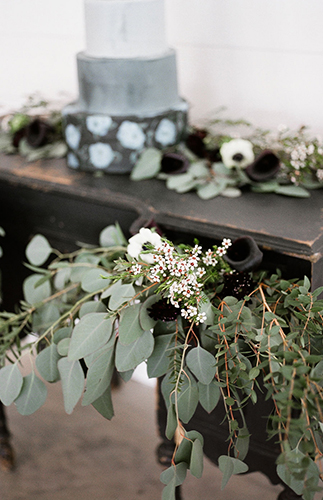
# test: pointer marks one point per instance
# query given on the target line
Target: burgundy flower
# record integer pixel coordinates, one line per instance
(174, 163)
(195, 143)
(17, 136)
(39, 133)
(244, 254)
(163, 310)
(265, 167)
(237, 284)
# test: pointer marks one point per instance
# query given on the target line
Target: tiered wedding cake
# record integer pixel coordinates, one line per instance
(128, 97)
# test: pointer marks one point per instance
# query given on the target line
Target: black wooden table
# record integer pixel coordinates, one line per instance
(69, 206)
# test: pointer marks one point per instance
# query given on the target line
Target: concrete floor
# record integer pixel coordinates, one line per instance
(85, 457)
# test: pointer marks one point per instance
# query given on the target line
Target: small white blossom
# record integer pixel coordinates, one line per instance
(221, 251)
(319, 174)
(226, 243)
(201, 318)
(136, 269)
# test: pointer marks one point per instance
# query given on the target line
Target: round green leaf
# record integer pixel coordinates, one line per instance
(38, 250)
(10, 383)
(95, 280)
(129, 326)
(32, 395)
(147, 166)
(34, 293)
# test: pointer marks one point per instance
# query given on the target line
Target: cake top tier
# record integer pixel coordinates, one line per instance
(125, 28)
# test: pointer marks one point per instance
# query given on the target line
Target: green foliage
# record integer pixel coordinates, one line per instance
(101, 307)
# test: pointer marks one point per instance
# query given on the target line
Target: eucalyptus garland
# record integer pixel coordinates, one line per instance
(214, 333)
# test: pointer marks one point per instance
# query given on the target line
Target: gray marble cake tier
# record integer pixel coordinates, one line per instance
(113, 143)
(139, 86)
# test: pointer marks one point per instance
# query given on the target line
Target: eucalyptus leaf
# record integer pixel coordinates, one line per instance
(148, 165)
(209, 190)
(291, 190)
(112, 236)
(176, 181)
(129, 325)
(11, 382)
(62, 277)
(104, 404)
(99, 377)
(171, 423)
(93, 306)
(196, 463)
(229, 466)
(209, 395)
(33, 294)
(169, 490)
(242, 443)
(231, 192)
(32, 396)
(38, 250)
(175, 473)
(95, 280)
(72, 378)
(130, 356)
(46, 363)
(158, 362)
(145, 320)
(45, 317)
(119, 295)
(202, 364)
(63, 346)
(187, 399)
(91, 332)
(82, 264)
(62, 333)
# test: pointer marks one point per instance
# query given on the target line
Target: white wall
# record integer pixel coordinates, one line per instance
(262, 59)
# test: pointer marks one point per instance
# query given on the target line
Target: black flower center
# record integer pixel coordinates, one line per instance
(238, 157)
(237, 284)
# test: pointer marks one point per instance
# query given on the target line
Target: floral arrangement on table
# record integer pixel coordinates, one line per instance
(214, 163)
(201, 319)
(34, 132)
(224, 159)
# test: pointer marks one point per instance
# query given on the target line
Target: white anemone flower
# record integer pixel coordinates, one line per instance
(138, 243)
(101, 155)
(237, 153)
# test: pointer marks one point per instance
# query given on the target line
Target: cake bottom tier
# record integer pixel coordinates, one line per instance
(113, 144)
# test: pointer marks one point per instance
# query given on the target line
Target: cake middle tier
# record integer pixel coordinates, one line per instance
(140, 86)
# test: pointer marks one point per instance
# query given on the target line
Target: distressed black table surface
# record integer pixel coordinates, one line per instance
(286, 225)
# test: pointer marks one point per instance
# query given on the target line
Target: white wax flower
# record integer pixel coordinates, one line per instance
(166, 132)
(101, 155)
(131, 135)
(138, 242)
(99, 124)
(72, 136)
(237, 153)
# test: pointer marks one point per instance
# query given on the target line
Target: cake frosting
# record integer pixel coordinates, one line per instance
(128, 96)
(125, 28)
